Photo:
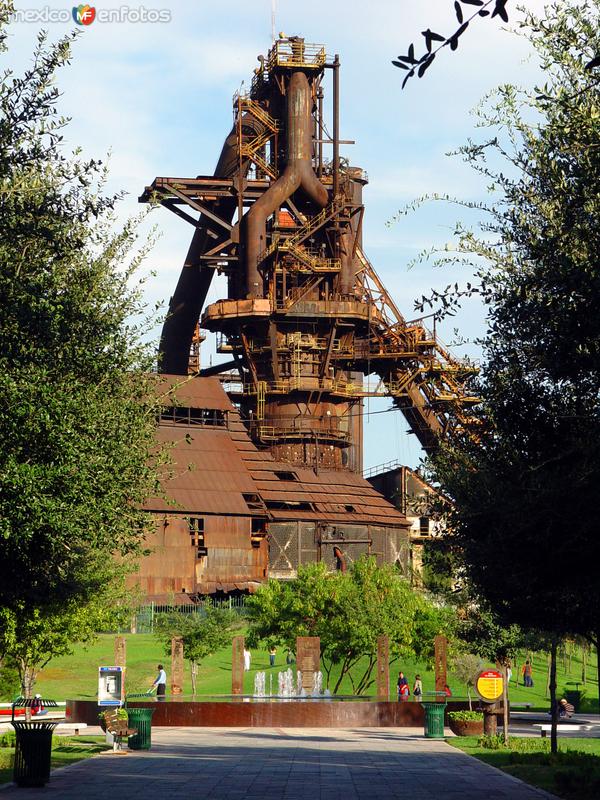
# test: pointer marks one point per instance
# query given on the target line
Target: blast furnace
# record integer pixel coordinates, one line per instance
(306, 322)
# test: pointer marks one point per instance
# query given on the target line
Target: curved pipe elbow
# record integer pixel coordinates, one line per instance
(297, 174)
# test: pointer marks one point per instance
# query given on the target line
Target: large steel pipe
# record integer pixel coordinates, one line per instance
(350, 264)
(195, 278)
(298, 174)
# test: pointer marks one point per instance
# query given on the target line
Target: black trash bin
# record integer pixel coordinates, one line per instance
(574, 697)
(33, 750)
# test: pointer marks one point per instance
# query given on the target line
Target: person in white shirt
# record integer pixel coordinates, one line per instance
(246, 660)
(160, 683)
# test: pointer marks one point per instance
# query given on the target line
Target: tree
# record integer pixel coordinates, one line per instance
(9, 679)
(524, 480)
(77, 412)
(434, 616)
(440, 569)
(466, 667)
(490, 638)
(208, 629)
(33, 637)
(348, 611)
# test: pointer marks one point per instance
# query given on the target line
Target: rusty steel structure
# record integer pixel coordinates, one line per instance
(306, 316)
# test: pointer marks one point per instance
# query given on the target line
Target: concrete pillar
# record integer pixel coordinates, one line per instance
(120, 651)
(383, 667)
(417, 565)
(237, 665)
(308, 659)
(176, 665)
(441, 665)
(121, 656)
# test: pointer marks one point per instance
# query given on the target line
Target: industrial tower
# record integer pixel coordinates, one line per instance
(306, 316)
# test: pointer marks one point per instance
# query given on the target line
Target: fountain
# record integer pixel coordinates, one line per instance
(286, 684)
(259, 684)
(317, 684)
(299, 707)
(288, 687)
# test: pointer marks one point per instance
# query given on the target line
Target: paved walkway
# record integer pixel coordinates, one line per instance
(291, 764)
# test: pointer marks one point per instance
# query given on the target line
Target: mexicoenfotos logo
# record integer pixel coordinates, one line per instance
(84, 15)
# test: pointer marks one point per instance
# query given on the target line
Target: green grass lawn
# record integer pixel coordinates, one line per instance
(573, 773)
(65, 750)
(76, 675)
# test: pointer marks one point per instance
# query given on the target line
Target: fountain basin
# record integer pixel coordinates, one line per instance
(246, 712)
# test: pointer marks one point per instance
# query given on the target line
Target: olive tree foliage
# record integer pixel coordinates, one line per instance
(523, 481)
(466, 667)
(465, 12)
(77, 413)
(524, 475)
(348, 612)
(203, 632)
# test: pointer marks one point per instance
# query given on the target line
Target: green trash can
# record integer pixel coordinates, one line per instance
(141, 720)
(33, 752)
(434, 720)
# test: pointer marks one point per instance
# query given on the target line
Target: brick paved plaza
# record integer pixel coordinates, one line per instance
(291, 764)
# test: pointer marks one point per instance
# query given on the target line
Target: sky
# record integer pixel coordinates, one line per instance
(157, 97)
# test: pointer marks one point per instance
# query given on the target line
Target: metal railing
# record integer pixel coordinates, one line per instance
(388, 466)
(296, 53)
(269, 433)
(145, 616)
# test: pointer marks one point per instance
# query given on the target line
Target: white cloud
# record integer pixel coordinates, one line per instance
(159, 97)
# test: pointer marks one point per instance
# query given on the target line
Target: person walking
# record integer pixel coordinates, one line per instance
(272, 654)
(527, 675)
(418, 689)
(160, 683)
(247, 659)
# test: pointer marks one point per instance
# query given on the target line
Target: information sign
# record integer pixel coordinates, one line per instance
(489, 685)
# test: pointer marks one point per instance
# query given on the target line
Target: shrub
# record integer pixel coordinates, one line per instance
(8, 739)
(492, 742)
(465, 716)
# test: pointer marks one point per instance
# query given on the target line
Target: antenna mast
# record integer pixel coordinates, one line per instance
(273, 15)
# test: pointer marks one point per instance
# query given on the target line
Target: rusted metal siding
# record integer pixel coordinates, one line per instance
(219, 476)
(335, 495)
(169, 569)
(174, 567)
(231, 561)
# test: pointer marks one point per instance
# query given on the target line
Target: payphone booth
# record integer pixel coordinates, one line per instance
(111, 686)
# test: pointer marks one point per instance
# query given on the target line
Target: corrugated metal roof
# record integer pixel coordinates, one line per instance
(193, 392)
(212, 466)
(199, 502)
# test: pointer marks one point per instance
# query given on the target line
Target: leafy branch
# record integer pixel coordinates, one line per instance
(419, 66)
